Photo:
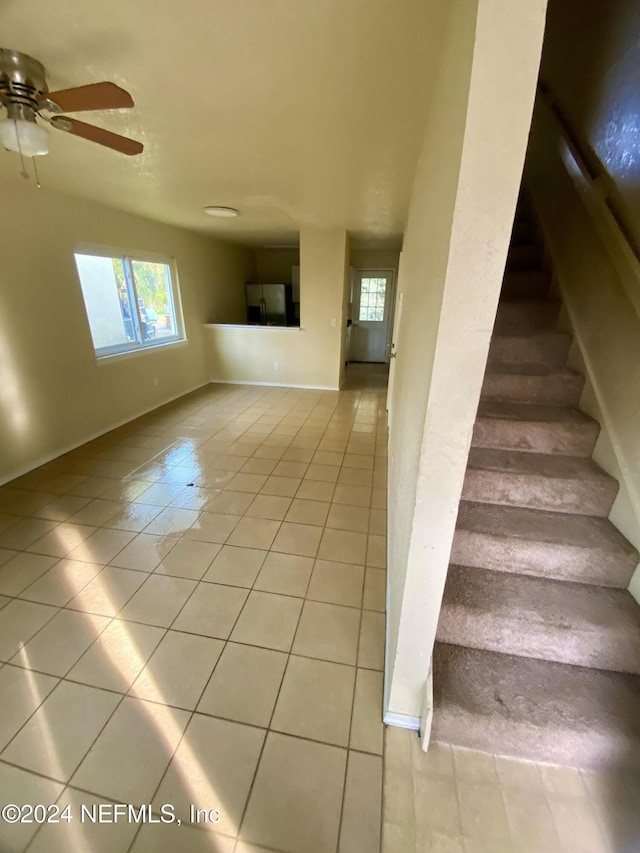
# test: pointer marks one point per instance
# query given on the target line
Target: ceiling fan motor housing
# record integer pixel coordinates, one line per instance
(22, 84)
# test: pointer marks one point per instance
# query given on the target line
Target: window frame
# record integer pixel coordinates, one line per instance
(128, 256)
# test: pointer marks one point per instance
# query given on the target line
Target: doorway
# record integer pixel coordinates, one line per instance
(372, 302)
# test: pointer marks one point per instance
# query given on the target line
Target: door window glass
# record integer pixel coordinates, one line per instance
(373, 293)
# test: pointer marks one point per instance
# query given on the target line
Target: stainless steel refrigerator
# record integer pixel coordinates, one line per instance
(269, 304)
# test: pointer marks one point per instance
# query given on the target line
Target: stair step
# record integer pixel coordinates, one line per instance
(543, 544)
(526, 284)
(524, 231)
(539, 383)
(529, 348)
(527, 256)
(549, 620)
(516, 315)
(569, 484)
(534, 709)
(540, 429)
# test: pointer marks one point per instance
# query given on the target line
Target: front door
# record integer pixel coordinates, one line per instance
(372, 301)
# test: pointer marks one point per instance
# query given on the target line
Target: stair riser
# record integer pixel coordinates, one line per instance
(524, 257)
(526, 316)
(543, 559)
(486, 706)
(591, 496)
(596, 648)
(524, 233)
(528, 742)
(545, 390)
(535, 349)
(526, 285)
(563, 439)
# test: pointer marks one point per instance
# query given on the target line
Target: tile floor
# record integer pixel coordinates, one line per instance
(451, 800)
(192, 611)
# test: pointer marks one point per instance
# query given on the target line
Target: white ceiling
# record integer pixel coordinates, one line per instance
(297, 112)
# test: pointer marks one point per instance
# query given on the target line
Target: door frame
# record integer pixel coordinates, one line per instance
(389, 298)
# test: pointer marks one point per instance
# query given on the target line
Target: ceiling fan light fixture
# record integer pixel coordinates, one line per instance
(223, 212)
(19, 135)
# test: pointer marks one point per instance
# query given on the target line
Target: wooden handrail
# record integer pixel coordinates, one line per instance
(591, 185)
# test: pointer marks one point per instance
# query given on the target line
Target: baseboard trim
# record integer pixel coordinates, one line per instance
(42, 460)
(402, 721)
(274, 384)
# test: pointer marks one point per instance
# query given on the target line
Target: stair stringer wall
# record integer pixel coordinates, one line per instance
(624, 514)
(599, 314)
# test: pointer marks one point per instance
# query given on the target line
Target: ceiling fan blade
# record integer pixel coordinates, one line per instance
(95, 96)
(97, 134)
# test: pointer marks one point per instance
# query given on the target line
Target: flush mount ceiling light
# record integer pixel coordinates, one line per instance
(223, 212)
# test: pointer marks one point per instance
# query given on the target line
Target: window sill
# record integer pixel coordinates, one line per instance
(252, 326)
(134, 353)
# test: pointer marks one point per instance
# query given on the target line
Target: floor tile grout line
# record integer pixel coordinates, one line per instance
(91, 745)
(200, 699)
(64, 678)
(353, 703)
(191, 634)
(596, 811)
(192, 713)
(68, 787)
(154, 572)
(191, 716)
(96, 638)
(115, 431)
(194, 710)
(35, 710)
(273, 711)
(386, 616)
(178, 540)
(198, 580)
(116, 480)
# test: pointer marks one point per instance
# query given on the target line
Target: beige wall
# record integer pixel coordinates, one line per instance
(381, 259)
(346, 297)
(591, 65)
(309, 356)
(597, 287)
(424, 260)
(453, 258)
(274, 265)
(54, 393)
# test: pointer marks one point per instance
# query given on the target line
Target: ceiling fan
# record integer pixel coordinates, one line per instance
(25, 95)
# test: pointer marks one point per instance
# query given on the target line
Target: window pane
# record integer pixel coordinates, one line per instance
(155, 304)
(129, 303)
(372, 299)
(106, 300)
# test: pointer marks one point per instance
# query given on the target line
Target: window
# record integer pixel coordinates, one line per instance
(130, 302)
(373, 292)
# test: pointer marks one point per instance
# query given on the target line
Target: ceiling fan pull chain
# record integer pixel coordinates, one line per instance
(35, 173)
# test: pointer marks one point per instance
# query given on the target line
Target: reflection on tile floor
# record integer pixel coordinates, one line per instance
(459, 801)
(192, 612)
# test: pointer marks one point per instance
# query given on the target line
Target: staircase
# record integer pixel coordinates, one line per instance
(538, 643)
